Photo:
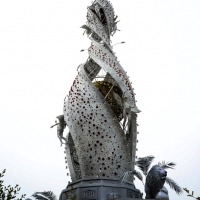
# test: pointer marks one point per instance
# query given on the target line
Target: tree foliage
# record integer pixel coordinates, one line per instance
(191, 195)
(9, 193)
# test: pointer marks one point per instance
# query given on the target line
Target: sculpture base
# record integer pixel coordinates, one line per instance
(133, 199)
(100, 189)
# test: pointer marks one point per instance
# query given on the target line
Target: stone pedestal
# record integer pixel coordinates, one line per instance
(100, 189)
(132, 199)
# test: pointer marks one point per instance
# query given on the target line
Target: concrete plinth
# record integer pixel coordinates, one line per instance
(132, 199)
(100, 189)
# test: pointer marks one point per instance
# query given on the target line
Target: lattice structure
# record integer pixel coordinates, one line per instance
(100, 110)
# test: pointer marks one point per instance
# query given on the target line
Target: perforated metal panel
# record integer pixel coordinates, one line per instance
(97, 145)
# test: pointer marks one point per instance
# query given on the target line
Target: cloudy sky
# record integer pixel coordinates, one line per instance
(40, 43)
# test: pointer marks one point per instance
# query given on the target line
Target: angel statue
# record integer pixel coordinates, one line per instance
(60, 128)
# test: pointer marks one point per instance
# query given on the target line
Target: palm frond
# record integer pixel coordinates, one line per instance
(124, 177)
(138, 175)
(50, 194)
(167, 165)
(46, 195)
(144, 163)
(39, 196)
(174, 185)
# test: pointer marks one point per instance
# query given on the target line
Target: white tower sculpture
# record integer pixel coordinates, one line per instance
(100, 110)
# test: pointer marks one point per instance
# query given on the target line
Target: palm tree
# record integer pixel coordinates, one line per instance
(144, 165)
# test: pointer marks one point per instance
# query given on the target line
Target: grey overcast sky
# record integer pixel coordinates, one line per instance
(40, 43)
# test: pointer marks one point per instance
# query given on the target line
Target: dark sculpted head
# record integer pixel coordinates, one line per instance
(154, 181)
